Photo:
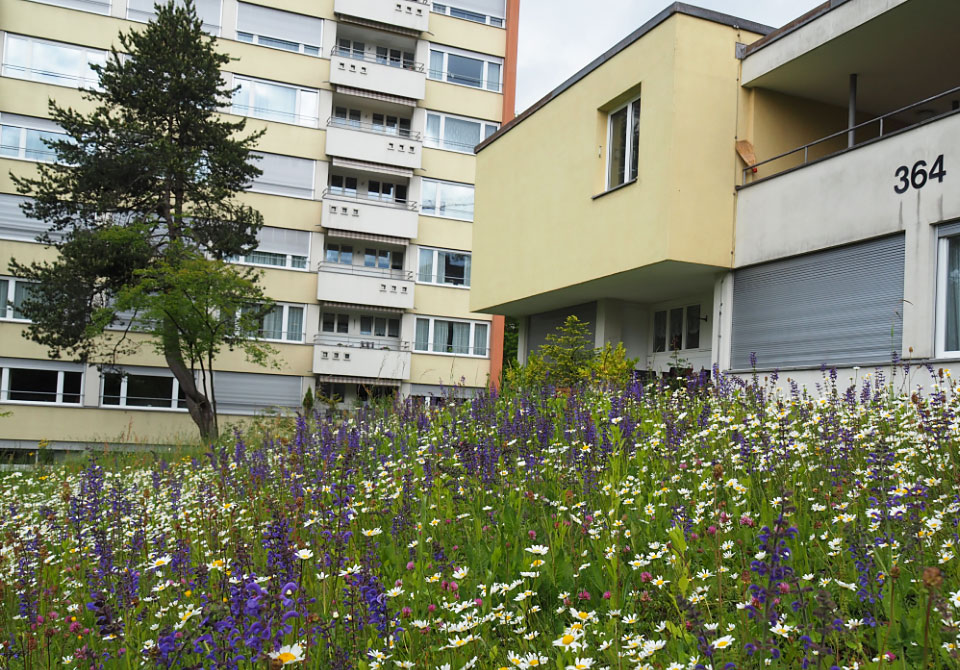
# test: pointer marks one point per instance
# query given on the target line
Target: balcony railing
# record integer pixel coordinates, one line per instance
(362, 342)
(875, 122)
(358, 198)
(365, 271)
(373, 58)
(379, 128)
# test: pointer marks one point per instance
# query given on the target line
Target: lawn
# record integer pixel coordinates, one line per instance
(699, 524)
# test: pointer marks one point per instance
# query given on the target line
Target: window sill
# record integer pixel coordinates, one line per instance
(475, 88)
(615, 188)
(446, 353)
(142, 409)
(448, 218)
(430, 283)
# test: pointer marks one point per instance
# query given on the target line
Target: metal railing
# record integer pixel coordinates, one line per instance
(356, 197)
(846, 132)
(409, 65)
(365, 271)
(378, 343)
(378, 128)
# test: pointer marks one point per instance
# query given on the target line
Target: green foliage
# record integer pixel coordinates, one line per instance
(567, 360)
(308, 401)
(141, 208)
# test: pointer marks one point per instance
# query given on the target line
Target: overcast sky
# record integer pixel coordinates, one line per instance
(558, 37)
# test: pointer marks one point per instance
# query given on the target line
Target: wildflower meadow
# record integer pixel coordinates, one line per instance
(700, 523)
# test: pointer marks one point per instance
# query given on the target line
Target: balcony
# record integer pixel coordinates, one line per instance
(373, 143)
(355, 284)
(408, 14)
(893, 182)
(371, 73)
(380, 358)
(375, 217)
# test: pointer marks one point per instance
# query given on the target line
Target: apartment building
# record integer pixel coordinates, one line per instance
(743, 197)
(371, 110)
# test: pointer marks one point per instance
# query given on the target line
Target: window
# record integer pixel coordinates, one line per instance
(40, 381)
(332, 391)
(391, 125)
(127, 389)
(438, 336)
(375, 190)
(23, 137)
(395, 57)
(14, 224)
(207, 10)
(349, 48)
(334, 323)
(386, 191)
(284, 175)
(280, 248)
(283, 323)
(339, 253)
(448, 199)
(467, 68)
(51, 62)
(278, 29)
(344, 116)
(489, 12)
(948, 296)
(341, 185)
(623, 144)
(444, 267)
(12, 294)
(383, 259)
(676, 329)
(276, 102)
(95, 6)
(456, 133)
(378, 326)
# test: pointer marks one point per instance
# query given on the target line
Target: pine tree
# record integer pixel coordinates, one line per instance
(141, 206)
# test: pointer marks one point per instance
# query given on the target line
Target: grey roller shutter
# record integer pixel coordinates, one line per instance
(835, 307)
(284, 175)
(207, 10)
(14, 225)
(258, 20)
(488, 7)
(283, 241)
(247, 393)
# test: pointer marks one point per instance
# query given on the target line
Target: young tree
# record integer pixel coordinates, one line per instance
(141, 206)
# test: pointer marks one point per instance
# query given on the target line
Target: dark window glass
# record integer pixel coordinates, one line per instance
(71, 387)
(463, 70)
(617, 149)
(693, 327)
(393, 328)
(111, 389)
(380, 327)
(634, 138)
(454, 268)
(33, 385)
(366, 325)
(149, 391)
(676, 329)
(660, 331)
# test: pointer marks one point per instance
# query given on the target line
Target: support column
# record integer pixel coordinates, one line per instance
(852, 112)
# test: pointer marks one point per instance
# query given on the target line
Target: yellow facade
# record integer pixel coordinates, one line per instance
(91, 420)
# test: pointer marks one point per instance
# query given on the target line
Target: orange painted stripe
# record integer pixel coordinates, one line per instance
(509, 111)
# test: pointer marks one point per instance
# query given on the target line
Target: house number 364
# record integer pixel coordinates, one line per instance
(917, 176)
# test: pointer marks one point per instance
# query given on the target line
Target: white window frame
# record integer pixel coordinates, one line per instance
(940, 339)
(435, 265)
(299, 117)
(288, 262)
(684, 330)
(628, 167)
(447, 9)
(440, 144)
(15, 72)
(486, 59)
(124, 378)
(5, 385)
(301, 46)
(25, 123)
(103, 8)
(6, 310)
(472, 347)
(285, 324)
(437, 201)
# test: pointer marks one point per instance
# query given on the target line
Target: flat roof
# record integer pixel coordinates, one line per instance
(796, 24)
(666, 13)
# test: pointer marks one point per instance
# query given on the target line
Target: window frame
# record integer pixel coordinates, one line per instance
(59, 393)
(942, 290)
(80, 82)
(440, 142)
(472, 346)
(437, 207)
(435, 263)
(285, 307)
(684, 328)
(447, 9)
(297, 116)
(8, 309)
(123, 397)
(301, 46)
(444, 72)
(26, 124)
(631, 171)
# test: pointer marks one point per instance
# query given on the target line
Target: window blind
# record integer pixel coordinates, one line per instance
(283, 241)
(246, 392)
(207, 10)
(284, 175)
(841, 306)
(298, 28)
(14, 225)
(487, 7)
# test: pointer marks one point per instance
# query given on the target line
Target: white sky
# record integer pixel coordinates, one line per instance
(558, 37)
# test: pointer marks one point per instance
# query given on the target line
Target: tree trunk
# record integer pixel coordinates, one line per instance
(198, 405)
